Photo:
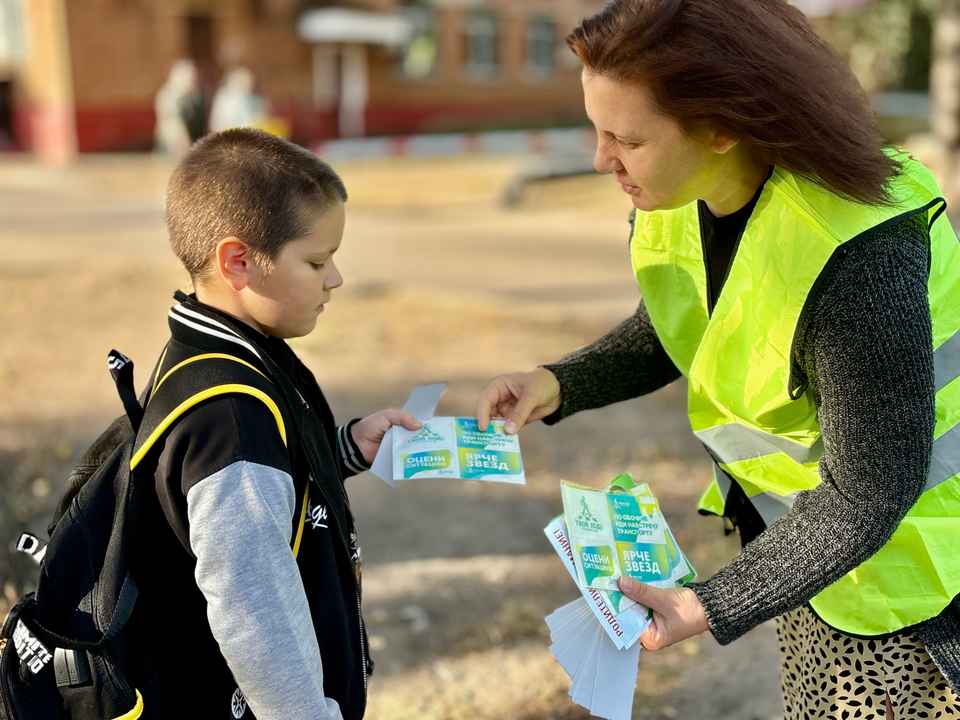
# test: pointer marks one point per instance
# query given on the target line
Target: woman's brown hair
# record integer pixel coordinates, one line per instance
(754, 68)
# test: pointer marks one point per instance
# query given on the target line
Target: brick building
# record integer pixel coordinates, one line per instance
(82, 74)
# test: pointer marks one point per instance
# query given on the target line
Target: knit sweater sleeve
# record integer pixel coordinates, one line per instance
(626, 363)
(866, 351)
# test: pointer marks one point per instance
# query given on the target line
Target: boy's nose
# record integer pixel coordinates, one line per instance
(334, 279)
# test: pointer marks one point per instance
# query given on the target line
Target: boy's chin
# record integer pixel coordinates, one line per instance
(291, 332)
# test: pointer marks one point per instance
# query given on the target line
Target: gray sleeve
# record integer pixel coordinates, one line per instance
(240, 523)
(867, 354)
(627, 362)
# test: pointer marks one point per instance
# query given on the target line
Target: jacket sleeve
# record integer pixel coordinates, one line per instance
(867, 354)
(626, 363)
(240, 519)
(348, 452)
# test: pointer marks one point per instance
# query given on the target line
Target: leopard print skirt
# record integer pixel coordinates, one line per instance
(826, 674)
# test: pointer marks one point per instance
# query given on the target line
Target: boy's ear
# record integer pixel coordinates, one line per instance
(234, 262)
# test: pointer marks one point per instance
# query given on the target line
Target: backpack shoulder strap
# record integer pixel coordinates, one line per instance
(200, 378)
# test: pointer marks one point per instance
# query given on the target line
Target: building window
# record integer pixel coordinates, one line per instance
(419, 58)
(540, 47)
(482, 42)
(11, 33)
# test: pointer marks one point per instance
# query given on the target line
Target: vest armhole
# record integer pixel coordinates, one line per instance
(795, 388)
(883, 636)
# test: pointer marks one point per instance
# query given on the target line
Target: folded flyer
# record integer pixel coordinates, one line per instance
(452, 447)
(621, 532)
(623, 619)
(603, 675)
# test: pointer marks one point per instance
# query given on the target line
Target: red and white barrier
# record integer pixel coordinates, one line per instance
(453, 144)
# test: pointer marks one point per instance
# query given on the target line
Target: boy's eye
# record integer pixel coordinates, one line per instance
(318, 266)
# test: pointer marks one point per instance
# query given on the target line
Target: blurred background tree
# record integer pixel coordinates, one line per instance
(887, 43)
(945, 92)
(906, 54)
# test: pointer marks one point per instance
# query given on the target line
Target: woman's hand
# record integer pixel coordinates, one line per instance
(677, 613)
(521, 398)
(369, 432)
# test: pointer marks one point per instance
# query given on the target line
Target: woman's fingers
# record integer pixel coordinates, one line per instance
(521, 398)
(657, 599)
(677, 613)
(492, 401)
(527, 403)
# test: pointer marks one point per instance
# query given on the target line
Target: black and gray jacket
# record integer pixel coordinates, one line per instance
(238, 627)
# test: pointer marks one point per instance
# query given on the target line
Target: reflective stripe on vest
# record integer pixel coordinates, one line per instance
(733, 442)
(770, 506)
(946, 362)
(745, 406)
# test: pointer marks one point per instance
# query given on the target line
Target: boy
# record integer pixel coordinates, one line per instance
(234, 624)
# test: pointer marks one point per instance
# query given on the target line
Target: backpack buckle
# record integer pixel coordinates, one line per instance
(71, 668)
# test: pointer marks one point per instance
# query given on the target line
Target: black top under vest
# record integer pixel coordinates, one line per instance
(720, 237)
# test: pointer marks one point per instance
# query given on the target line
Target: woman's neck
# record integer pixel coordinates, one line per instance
(740, 177)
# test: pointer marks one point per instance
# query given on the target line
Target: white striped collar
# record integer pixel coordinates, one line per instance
(209, 326)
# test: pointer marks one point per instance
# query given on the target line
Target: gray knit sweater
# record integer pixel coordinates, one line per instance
(866, 350)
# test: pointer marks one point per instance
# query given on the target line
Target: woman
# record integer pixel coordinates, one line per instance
(807, 283)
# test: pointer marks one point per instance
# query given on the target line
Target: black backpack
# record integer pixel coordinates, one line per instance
(65, 652)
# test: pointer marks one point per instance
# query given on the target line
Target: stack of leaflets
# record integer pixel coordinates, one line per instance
(601, 535)
(621, 531)
(447, 447)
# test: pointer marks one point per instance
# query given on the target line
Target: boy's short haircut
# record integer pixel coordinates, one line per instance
(249, 184)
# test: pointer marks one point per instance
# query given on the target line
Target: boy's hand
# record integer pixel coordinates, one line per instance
(369, 432)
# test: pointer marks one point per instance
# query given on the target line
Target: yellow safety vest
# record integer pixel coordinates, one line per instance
(744, 406)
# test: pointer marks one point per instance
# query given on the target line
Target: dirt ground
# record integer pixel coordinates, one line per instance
(442, 283)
